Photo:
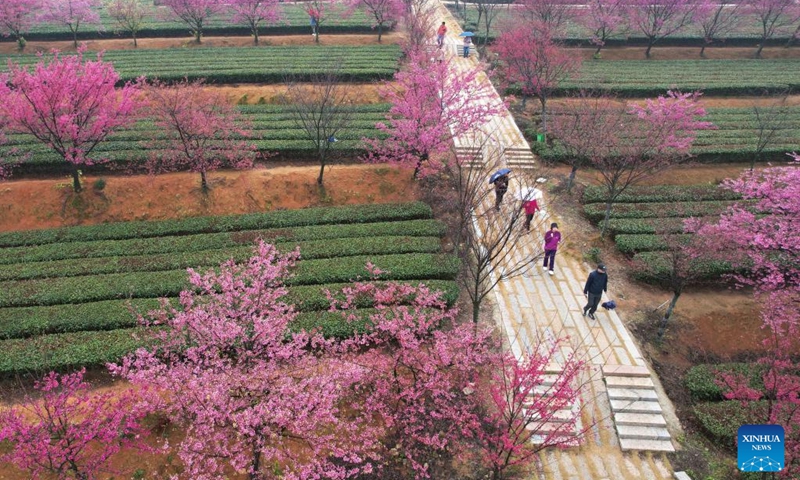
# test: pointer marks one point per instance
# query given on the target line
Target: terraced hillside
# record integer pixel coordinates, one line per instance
(67, 296)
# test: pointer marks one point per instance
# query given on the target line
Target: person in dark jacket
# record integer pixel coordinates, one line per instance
(551, 240)
(596, 284)
(500, 189)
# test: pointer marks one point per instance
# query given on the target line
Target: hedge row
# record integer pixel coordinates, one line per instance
(283, 238)
(631, 244)
(596, 211)
(320, 249)
(294, 21)
(661, 193)
(728, 154)
(272, 127)
(700, 379)
(350, 214)
(22, 322)
(721, 420)
(246, 64)
(655, 266)
(54, 291)
(87, 348)
(574, 33)
(640, 226)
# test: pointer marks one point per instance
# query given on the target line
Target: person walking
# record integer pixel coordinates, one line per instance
(551, 240)
(596, 284)
(531, 207)
(467, 43)
(440, 35)
(313, 15)
(500, 189)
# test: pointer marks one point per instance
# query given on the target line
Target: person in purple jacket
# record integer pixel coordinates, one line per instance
(551, 240)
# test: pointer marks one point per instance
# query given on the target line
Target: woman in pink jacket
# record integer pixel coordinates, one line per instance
(551, 240)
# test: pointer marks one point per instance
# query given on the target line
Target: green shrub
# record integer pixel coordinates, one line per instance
(193, 225)
(54, 291)
(700, 379)
(593, 256)
(661, 193)
(597, 211)
(319, 249)
(99, 185)
(631, 244)
(210, 241)
(651, 267)
(721, 420)
(91, 348)
(21, 322)
(639, 226)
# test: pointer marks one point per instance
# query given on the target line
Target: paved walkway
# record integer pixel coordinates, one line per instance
(623, 402)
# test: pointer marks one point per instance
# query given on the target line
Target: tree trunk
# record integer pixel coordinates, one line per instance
(649, 47)
(703, 51)
(76, 179)
(256, 464)
(665, 319)
(135, 43)
(255, 35)
(75, 38)
(599, 47)
(203, 182)
(791, 39)
(316, 34)
(198, 36)
(321, 169)
(476, 310)
(543, 101)
(605, 220)
(380, 32)
(422, 158)
(760, 47)
(571, 178)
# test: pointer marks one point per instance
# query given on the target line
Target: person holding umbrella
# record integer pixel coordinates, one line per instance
(467, 42)
(500, 181)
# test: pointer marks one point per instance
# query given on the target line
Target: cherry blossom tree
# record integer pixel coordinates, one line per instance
(521, 407)
(420, 373)
(384, 13)
(582, 127)
(716, 19)
(248, 393)
(431, 103)
(548, 15)
(253, 13)
(16, 18)
(605, 19)
(199, 130)
(68, 104)
(773, 15)
(318, 12)
(531, 58)
(762, 239)
(649, 138)
(129, 16)
(70, 432)
(678, 266)
(72, 14)
(658, 19)
(321, 111)
(194, 13)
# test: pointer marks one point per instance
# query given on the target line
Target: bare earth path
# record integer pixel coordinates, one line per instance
(632, 420)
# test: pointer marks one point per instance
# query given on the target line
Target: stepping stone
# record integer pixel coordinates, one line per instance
(625, 371)
(629, 382)
(640, 419)
(632, 394)
(559, 416)
(635, 407)
(642, 433)
(652, 445)
(682, 476)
